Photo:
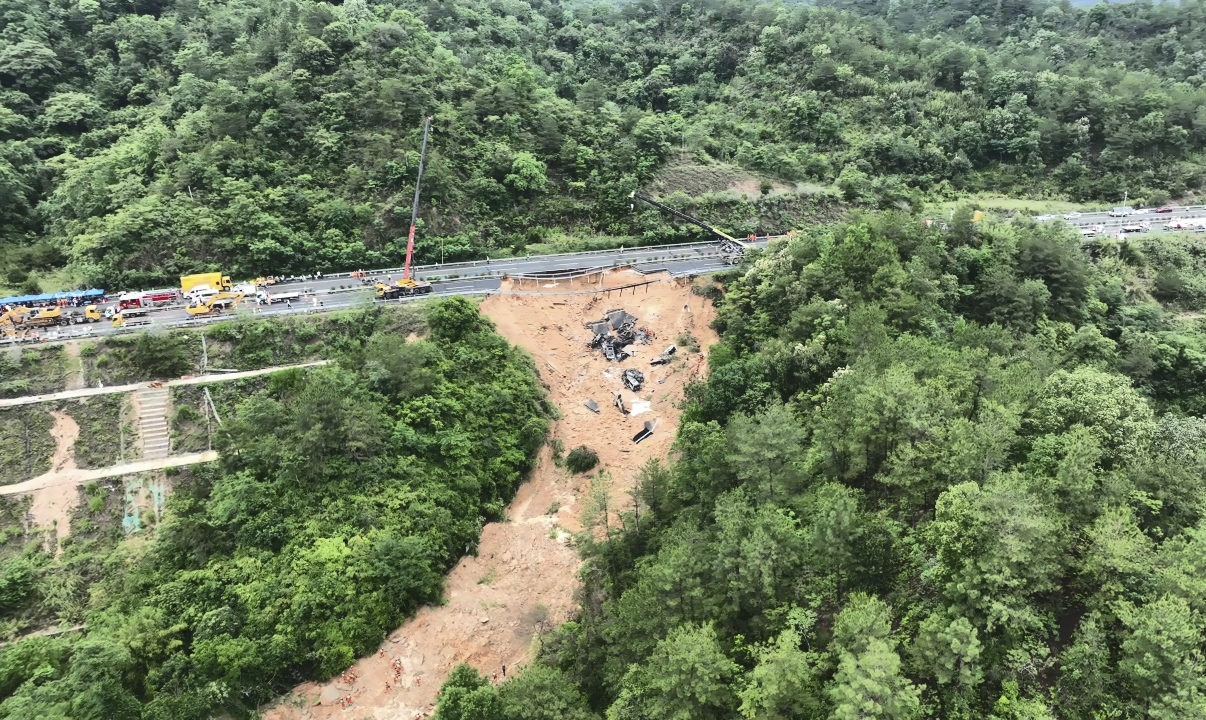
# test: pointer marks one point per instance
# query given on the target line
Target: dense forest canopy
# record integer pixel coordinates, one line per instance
(931, 474)
(343, 495)
(142, 139)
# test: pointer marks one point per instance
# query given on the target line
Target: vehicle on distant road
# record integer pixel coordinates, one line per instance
(1135, 228)
(1071, 215)
(1165, 209)
(1122, 211)
(1043, 218)
(1142, 211)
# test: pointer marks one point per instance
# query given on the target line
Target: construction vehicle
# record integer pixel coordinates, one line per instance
(215, 304)
(402, 289)
(15, 315)
(129, 316)
(265, 281)
(264, 297)
(408, 285)
(90, 314)
(46, 317)
(214, 281)
(731, 248)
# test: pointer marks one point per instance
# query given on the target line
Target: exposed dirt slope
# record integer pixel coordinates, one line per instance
(52, 509)
(523, 579)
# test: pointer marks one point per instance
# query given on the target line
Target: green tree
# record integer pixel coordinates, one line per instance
(767, 451)
(785, 682)
(1161, 656)
(689, 676)
(869, 682)
(949, 650)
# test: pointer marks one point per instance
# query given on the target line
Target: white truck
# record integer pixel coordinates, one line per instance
(266, 297)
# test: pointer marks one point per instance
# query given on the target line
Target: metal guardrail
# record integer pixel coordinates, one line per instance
(92, 331)
(438, 268)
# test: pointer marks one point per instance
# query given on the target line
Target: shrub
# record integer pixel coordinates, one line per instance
(581, 459)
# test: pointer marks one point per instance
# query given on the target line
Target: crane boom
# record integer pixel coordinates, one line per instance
(733, 247)
(683, 216)
(414, 208)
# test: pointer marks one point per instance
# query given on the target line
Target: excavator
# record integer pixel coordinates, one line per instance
(39, 318)
(215, 303)
(408, 285)
(731, 248)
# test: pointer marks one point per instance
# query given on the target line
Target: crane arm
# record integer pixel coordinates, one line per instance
(685, 217)
(414, 208)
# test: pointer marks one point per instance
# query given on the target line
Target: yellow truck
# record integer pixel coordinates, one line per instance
(130, 317)
(90, 314)
(215, 281)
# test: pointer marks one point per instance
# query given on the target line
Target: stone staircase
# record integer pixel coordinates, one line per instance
(153, 422)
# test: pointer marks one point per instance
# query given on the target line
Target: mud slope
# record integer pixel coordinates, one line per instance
(523, 579)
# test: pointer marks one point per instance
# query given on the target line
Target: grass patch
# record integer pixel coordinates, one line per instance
(12, 524)
(1021, 206)
(32, 370)
(106, 422)
(561, 243)
(26, 445)
(188, 425)
(687, 342)
(150, 355)
(245, 343)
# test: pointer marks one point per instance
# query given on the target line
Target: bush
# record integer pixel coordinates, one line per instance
(581, 459)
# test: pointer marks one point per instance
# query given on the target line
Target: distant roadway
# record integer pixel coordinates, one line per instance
(1083, 221)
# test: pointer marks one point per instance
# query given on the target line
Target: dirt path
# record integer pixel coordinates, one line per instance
(88, 392)
(52, 509)
(75, 476)
(75, 367)
(523, 580)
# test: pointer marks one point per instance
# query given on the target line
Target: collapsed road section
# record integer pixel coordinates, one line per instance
(616, 334)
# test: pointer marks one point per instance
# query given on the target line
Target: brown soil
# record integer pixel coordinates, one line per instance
(523, 580)
(51, 507)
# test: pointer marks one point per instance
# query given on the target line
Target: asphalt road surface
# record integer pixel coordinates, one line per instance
(1111, 225)
(340, 291)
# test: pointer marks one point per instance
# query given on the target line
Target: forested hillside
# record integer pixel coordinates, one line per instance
(343, 495)
(931, 474)
(142, 139)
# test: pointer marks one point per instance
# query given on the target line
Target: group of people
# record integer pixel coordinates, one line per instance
(61, 302)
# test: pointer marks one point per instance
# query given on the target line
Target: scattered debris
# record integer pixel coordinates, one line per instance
(592, 406)
(615, 333)
(640, 406)
(633, 379)
(619, 402)
(645, 432)
(665, 356)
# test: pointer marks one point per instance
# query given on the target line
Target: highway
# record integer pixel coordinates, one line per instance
(1112, 225)
(340, 291)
